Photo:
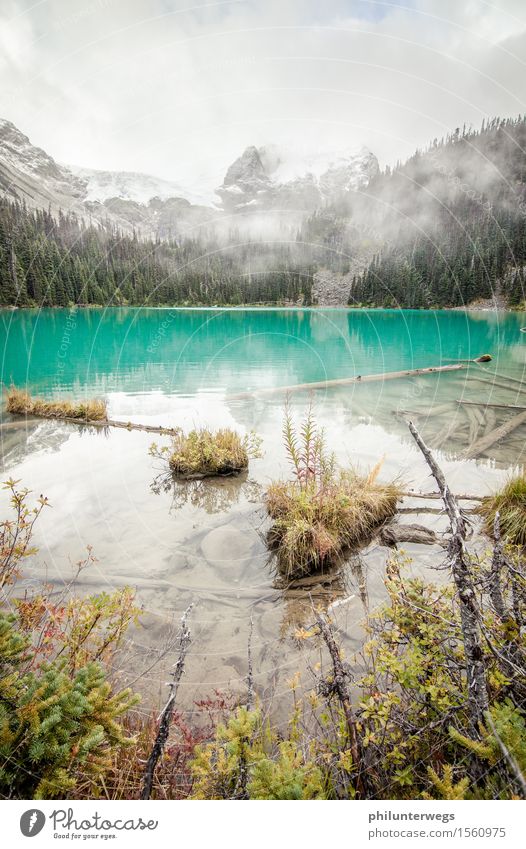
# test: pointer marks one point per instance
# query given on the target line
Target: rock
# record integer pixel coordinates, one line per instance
(226, 545)
(393, 535)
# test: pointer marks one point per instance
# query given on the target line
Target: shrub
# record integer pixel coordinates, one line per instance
(56, 729)
(22, 403)
(324, 510)
(203, 453)
(511, 504)
(15, 533)
(246, 760)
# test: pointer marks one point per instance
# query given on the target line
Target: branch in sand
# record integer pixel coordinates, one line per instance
(339, 687)
(167, 712)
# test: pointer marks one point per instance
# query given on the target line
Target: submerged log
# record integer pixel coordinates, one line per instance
(437, 495)
(344, 381)
(393, 535)
(488, 404)
(490, 439)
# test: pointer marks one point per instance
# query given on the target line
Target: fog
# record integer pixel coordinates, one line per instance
(178, 90)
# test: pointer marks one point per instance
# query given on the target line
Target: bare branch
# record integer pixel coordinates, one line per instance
(167, 712)
(458, 558)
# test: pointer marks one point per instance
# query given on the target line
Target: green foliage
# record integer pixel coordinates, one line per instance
(47, 261)
(324, 510)
(246, 760)
(511, 504)
(56, 729)
(504, 730)
(445, 786)
(204, 453)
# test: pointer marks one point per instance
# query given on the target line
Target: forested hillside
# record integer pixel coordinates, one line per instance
(55, 262)
(452, 221)
(445, 228)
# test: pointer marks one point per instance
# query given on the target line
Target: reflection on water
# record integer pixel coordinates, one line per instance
(213, 495)
(204, 541)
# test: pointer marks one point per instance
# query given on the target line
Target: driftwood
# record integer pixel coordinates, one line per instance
(437, 495)
(477, 693)
(493, 384)
(339, 687)
(167, 712)
(344, 381)
(489, 439)
(514, 380)
(393, 535)
(491, 405)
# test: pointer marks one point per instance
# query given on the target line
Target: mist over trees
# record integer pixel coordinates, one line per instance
(452, 221)
(445, 228)
(46, 261)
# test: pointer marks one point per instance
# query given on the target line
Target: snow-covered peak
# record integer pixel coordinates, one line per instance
(134, 186)
(272, 176)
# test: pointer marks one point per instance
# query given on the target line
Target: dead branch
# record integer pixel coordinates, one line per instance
(478, 702)
(339, 687)
(250, 674)
(167, 712)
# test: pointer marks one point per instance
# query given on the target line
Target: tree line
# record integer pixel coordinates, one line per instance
(59, 261)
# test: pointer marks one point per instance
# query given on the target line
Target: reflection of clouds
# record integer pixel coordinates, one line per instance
(213, 495)
(113, 350)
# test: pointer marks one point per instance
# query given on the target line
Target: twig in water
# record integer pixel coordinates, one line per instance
(339, 687)
(167, 712)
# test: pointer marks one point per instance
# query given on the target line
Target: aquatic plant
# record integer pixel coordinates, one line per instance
(324, 510)
(511, 504)
(22, 403)
(205, 453)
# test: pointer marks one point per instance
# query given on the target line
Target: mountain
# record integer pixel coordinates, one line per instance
(262, 179)
(134, 186)
(29, 173)
(149, 206)
(273, 178)
(445, 228)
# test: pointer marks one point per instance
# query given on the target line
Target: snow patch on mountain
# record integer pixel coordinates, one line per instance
(136, 187)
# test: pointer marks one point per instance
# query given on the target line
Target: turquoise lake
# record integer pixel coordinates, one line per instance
(185, 351)
(204, 542)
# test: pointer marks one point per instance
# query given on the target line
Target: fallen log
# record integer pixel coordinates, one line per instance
(514, 380)
(344, 381)
(488, 404)
(393, 535)
(437, 495)
(493, 383)
(487, 441)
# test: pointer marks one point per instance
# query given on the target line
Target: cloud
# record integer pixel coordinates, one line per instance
(177, 88)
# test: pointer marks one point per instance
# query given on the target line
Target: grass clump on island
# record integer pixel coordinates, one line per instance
(205, 453)
(324, 510)
(511, 504)
(22, 403)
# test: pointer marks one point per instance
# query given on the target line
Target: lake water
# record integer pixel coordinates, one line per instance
(205, 542)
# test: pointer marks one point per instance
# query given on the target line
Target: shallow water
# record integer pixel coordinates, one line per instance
(204, 542)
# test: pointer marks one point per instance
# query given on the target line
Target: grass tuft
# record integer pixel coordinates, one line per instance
(205, 453)
(22, 403)
(325, 510)
(511, 504)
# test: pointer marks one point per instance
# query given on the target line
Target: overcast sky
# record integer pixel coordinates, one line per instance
(178, 89)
